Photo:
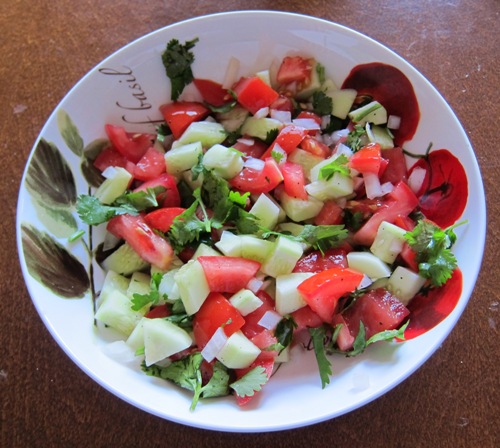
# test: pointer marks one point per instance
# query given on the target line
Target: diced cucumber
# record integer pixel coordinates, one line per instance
(315, 170)
(116, 312)
(264, 76)
(291, 227)
(388, 242)
(116, 183)
(113, 282)
(225, 162)
(342, 101)
(283, 356)
(204, 249)
(255, 248)
(404, 284)
(380, 135)
(329, 86)
(260, 127)
(266, 210)
(368, 264)
(238, 352)
(187, 176)
(140, 283)
(372, 112)
(338, 186)
(193, 286)
(245, 301)
(183, 157)
(162, 338)
(313, 86)
(208, 133)
(124, 260)
(168, 286)
(233, 119)
(229, 244)
(305, 159)
(283, 257)
(288, 299)
(136, 339)
(300, 209)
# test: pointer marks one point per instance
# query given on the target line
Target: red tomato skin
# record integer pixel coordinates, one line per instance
(315, 261)
(252, 327)
(131, 146)
(323, 290)
(314, 146)
(158, 312)
(180, 114)
(288, 139)
(109, 156)
(367, 159)
(150, 246)
(168, 198)
(256, 149)
(330, 214)
(151, 165)
(254, 94)
(306, 318)
(295, 69)
(294, 180)
(255, 182)
(212, 92)
(228, 274)
(282, 103)
(444, 192)
(312, 116)
(162, 218)
(216, 311)
(396, 169)
(378, 309)
(345, 340)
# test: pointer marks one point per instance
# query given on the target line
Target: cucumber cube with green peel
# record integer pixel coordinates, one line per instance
(283, 257)
(380, 135)
(300, 209)
(115, 185)
(388, 242)
(113, 282)
(183, 157)
(140, 283)
(266, 210)
(245, 301)
(193, 286)
(124, 260)
(260, 127)
(372, 112)
(162, 338)
(208, 133)
(368, 264)
(404, 284)
(342, 101)
(238, 352)
(225, 162)
(337, 187)
(288, 298)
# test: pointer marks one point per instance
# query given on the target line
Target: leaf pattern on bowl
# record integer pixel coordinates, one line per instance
(52, 265)
(69, 132)
(92, 175)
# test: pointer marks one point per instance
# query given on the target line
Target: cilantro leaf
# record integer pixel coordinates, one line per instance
(284, 331)
(186, 228)
(141, 200)
(177, 60)
(322, 103)
(218, 385)
(271, 136)
(141, 300)
(355, 138)
(320, 70)
(93, 212)
(338, 165)
(432, 246)
(318, 340)
(251, 382)
(162, 131)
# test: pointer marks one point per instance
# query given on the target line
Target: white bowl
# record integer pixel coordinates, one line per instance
(129, 86)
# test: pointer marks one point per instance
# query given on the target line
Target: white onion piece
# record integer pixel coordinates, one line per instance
(279, 150)
(343, 149)
(393, 122)
(262, 112)
(387, 187)
(372, 185)
(254, 164)
(269, 320)
(214, 345)
(109, 172)
(416, 179)
(328, 140)
(254, 285)
(231, 75)
(306, 123)
(325, 121)
(246, 141)
(110, 241)
(284, 116)
(365, 282)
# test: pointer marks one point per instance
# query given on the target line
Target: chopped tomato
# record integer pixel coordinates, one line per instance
(378, 309)
(109, 156)
(315, 147)
(288, 139)
(212, 92)
(367, 160)
(150, 246)
(294, 180)
(255, 181)
(295, 69)
(228, 274)
(150, 166)
(311, 116)
(216, 311)
(168, 198)
(254, 94)
(252, 327)
(283, 103)
(315, 261)
(444, 192)
(180, 114)
(306, 318)
(162, 218)
(345, 339)
(395, 170)
(255, 148)
(323, 290)
(158, 312)
(262, 361)
(330, 214)
(131, 146)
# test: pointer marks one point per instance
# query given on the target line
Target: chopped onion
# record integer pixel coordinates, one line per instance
(262, 112)
(279, 150)
(393, 122)
(365, 282)
(214, 345)
(416, 179)
(306, 123)
(110, 241)
(387, 187)
(325, 121)
(338, 135)
(254, 285)
(270, 319)
(254, 164)
(343, 149)
(284, 116)
(231, 75)
(109, 172)
(246, 141)
(372, 185)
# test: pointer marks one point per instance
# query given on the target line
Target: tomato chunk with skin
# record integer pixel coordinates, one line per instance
(295, 69)
(109, 156)
(168, 198)
(180, 114)
(228, 274)
(251, 147)
(379, 310)
(212, 92)
(294, 180)
(131, 146)
(162, 218)
(306, 318)
(255, 181)
(315, 147)
(367, 160)
(323, 290)
(330, 214)
(151, 165)
(252, 327)
(288, 139)
(315, 261)
(158, 312)
(150, 246)
(216, 311)
(254, 94)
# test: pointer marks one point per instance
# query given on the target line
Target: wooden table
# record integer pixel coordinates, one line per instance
(46, 400)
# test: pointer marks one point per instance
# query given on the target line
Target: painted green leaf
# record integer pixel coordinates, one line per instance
(52, 265)
(90, 172)
(49, 178)
(69, 132)
(59, 221)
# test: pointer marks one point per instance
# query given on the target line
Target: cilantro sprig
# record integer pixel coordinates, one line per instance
(338, 165)
(139, 301)
(355, 138)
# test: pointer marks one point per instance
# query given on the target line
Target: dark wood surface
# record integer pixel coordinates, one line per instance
(46, 400)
